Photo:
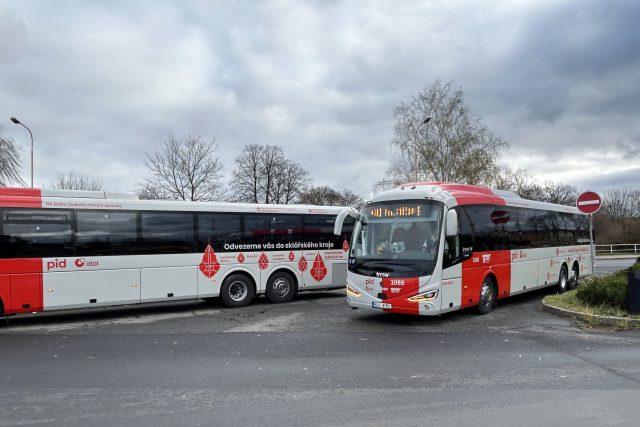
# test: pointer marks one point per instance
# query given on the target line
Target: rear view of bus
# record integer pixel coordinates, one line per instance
(431, 248)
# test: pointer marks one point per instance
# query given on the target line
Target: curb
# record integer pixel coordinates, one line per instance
(591, 318)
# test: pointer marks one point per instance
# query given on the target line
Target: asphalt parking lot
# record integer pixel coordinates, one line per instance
(314, 361)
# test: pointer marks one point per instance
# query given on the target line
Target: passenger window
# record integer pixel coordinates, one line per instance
(106, 232)
(37, 233)
(218, 229)
(167, 233)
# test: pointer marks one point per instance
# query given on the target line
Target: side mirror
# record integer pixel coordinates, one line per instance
(452, 223)
(337, 228)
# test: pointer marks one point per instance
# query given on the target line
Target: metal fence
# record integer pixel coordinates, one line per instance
(618, 248)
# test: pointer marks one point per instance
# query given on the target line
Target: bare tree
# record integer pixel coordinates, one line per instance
(520, 182)
(76, 181)
(321, 196)
(349, 198)
(453, 146)
(516, 180)
(10, 163)
(559, 193)
(264, 175)
(185, 169)
(621, 203)
(292, 181)
(327, 196)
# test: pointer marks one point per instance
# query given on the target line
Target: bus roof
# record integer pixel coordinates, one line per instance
(453, 194)
(75, 199)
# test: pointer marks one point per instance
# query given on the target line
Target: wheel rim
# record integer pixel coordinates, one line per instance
(281, 287)
(486, 295)
(573, 276)
(238, 291)
(563, 280)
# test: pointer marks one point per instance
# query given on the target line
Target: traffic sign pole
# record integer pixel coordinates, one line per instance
(590, 202)
(593, 252)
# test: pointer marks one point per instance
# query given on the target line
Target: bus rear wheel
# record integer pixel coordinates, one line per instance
(237, 291)
(563, 280)
(281, 287)
(487, 296)
(573, 277)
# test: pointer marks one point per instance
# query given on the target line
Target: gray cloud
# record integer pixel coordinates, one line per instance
(100, 84)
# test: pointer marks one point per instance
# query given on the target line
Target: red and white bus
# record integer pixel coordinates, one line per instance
(75, 249)
(431, 248)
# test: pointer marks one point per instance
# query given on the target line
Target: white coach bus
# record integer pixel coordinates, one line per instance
(74, 249)
(431, 248)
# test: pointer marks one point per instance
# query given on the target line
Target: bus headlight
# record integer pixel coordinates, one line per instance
(352, 292)
(425, 296)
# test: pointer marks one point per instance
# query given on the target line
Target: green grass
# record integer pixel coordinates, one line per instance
(599, 296)
(569, 301)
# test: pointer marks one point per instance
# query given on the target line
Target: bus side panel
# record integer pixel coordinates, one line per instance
(476, 268)
(78, 289)
(318, 269)
(524, 272)
(451, 288)
(26, 292)
(159, 284)
(21, 288)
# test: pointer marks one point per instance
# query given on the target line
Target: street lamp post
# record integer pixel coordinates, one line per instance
(18, 122)
(415, 148)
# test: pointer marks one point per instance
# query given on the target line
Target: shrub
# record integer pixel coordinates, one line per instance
(605, 291)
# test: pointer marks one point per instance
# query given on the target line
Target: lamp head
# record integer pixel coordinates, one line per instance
(14, 120)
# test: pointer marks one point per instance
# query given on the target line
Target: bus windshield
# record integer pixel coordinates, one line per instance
(397, 237)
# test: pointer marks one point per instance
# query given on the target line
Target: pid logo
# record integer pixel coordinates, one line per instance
(57, 264)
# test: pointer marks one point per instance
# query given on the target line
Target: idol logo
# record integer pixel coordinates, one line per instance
(81, 262)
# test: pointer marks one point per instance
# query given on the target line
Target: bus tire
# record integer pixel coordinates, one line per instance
(573, 277)
(281, 287)
(563, 280)
(237, 291)
(488, 296)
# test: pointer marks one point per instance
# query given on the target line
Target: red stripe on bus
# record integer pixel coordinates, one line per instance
(481, 265)
(21, 285)
(401, 287)
(20, 198)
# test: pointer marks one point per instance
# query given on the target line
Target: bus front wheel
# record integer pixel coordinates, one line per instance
(487, 296)
(281, 287)
(237, 291)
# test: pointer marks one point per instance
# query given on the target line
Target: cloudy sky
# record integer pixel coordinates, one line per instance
(101, 83)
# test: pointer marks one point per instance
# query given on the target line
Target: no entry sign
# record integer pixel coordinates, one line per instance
(589, 202)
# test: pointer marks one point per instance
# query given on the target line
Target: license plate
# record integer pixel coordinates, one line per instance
(384, 305)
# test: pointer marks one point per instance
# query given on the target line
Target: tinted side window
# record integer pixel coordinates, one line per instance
(106, 232)
(467, 237)
(547, 228)
(488, 226)
(527, 228)
(218, 229)
(582, 226)
(568, 229)
(271, 228)
(38, 233)
(167, 233)
(320, 227)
